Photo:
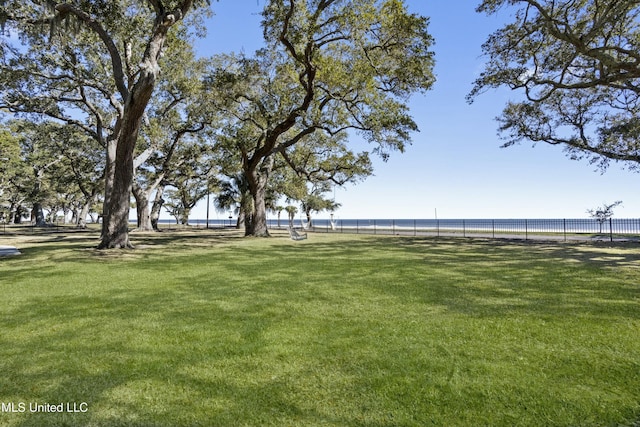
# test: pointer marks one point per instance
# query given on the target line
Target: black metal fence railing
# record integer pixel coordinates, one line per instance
(555, 229)
(558, 229)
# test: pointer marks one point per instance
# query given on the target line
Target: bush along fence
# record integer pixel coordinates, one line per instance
(556, 229)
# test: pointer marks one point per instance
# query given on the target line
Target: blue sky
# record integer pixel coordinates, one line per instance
(455, 164)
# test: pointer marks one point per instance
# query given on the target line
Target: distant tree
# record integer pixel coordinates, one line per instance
(191, 181)
(314, 201)
(278, 210)
(292, 211)
(181, 200)
(57, 168)
(42, 159)
(80, 175)
(64, 197)
(603, 213)
(12, 171)
(173, 206)
(577, 63)
(233, 195)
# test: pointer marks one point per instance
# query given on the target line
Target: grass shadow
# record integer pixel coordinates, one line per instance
(214, 329)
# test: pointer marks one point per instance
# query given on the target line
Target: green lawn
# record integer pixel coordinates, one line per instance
(208, 328)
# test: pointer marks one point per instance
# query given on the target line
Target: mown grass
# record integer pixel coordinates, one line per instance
(213, 329)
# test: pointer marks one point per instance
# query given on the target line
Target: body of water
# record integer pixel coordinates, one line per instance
(563, 225)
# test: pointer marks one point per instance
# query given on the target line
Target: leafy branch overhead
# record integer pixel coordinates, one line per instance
(577, 65)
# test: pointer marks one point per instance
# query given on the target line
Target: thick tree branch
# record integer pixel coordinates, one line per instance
(116, 60)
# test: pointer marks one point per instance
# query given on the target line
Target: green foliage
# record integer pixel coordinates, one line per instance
(191, 182)
(179, 127)
(95, 68)
(577, 65)
(54, 166)
(331, 69)
(11, 170)
(604, 212)
(320, 158)
(211, 329)
(9, 154)
(316, 202)
(40, 157)
(361, 57)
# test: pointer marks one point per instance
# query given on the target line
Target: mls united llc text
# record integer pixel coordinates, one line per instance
(21, 407)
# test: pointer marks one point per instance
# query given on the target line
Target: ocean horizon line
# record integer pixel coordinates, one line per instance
(314, 219)
(492, 225)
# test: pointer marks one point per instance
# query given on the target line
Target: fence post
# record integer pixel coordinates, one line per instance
(464, 228)
(415, 228)
(611, 229)
(374, 227)
(493, 228)
(564, 228)
(526, 230)
(437, 227)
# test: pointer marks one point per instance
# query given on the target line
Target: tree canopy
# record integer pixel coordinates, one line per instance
(281, 119)
(331, 69)
(577, 64)
(93, 65)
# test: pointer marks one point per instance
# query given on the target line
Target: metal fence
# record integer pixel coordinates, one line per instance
(626, 229)
(557, 229)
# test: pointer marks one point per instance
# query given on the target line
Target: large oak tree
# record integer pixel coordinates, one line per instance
(92, 64)
(178, 119)
(330, 67)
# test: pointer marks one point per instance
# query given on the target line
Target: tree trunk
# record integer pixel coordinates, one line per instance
(38, 214)
(116, 219)
(65, 214)
(142, 208)
(51, 217)
(158, 201)
(85, 208)
(81, 220)
(241, 219)
(184, 216)
(256, 226)
(15, 213)
(308, 213)
(109, 174)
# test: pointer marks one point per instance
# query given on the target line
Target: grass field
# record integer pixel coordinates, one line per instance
(208, 328)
